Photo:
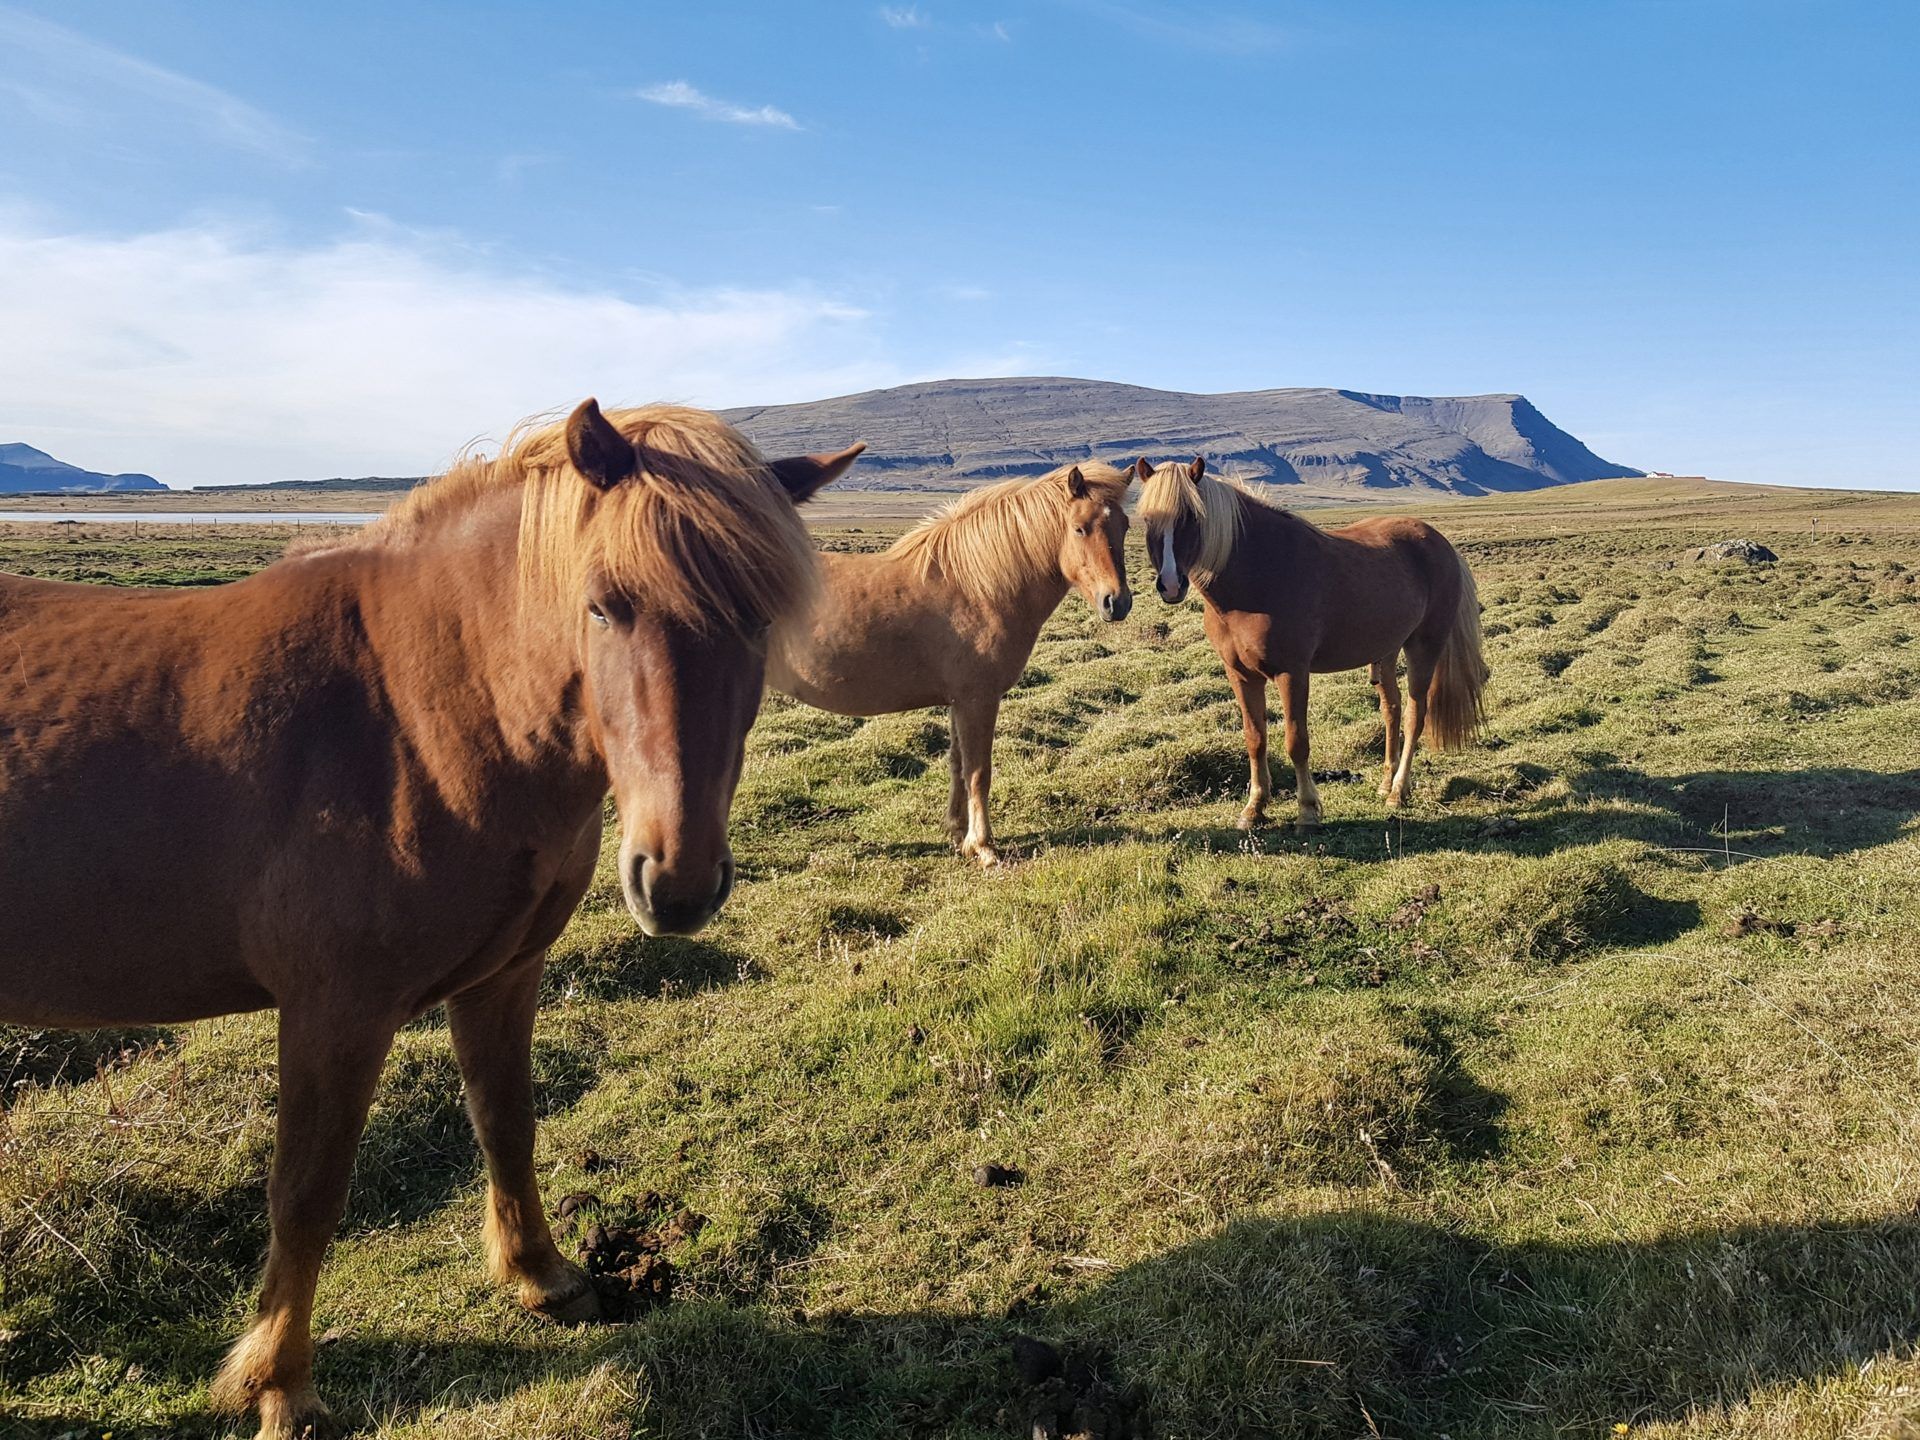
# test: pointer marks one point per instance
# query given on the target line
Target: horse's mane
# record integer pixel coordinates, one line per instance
(702, 532)
(998, 539)
(1172, 492)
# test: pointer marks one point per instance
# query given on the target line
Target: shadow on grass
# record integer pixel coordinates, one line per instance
(1825, 810)
(66, 1057)
(1331, 1325)
(647, 966)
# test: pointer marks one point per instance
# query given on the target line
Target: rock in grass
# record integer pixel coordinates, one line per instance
(993, 1177)
(1747, 552)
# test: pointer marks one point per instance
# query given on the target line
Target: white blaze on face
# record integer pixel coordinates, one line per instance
(1169, 572)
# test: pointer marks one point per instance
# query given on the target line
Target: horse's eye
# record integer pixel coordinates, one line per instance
(597, 615)
(1080, 530)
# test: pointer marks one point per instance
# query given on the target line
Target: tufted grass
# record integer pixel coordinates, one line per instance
(1583, 1095)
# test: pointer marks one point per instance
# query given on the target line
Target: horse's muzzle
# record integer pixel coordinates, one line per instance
(1115, 604)
(665, 902)
(1176, 594)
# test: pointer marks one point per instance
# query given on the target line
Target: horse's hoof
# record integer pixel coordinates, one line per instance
(987, 856)
(1306, 824)
(299, 1416)
(1248, 820)
(1395, 801)
(577, 1306)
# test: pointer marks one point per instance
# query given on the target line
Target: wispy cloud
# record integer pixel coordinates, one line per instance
(65, 77)
(682, 96)
(996, 31)
(211, 353)
(1195, 27)
(906, 17)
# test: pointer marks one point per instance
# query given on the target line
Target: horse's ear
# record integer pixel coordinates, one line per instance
(804, 476)
(599, 452)
(1077, 484)
(1198, 468)
(1142, 470)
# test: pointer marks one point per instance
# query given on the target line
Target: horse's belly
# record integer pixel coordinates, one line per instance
(84, 961)
(877, 671)
(1362, 639)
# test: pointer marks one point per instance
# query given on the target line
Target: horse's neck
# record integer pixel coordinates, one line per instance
(1018, 612)
(1270, 542)
(491, 683)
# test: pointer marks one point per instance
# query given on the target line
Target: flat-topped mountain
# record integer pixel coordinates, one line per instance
(25, 471)
(954, 434)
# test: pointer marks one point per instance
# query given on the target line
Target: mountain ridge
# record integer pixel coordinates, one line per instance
(955, 434)
(25, 470)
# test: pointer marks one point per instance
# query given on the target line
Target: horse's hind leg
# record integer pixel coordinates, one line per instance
(1293, 705)
(492, 1028)
(1250, 690)
(973, 722)
(329, 1065)
(1421, 660)
(957, 777)
(1386, 679)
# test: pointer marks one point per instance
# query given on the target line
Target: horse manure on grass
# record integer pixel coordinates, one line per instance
(1071, 1394)
(624, 1251)
(993, 1177)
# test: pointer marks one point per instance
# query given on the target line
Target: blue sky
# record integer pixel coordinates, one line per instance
(266, 240)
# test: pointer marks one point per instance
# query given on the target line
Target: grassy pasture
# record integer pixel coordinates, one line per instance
(1581, 1096)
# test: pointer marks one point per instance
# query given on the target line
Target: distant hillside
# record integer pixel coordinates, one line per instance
(958, 433)
(26, 471)
(327, 487)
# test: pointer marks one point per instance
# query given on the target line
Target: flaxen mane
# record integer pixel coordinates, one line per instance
(1172, 492)
(996, 540)
(702, 532)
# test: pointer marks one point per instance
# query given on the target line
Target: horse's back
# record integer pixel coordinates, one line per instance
(1427, 558)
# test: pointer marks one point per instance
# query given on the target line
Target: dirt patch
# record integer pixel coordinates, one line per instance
(1415, 909)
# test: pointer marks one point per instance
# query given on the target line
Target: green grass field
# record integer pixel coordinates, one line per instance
(1582, 1096)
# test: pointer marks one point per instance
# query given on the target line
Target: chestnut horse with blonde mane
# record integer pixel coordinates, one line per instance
(1285, 599)
(368, 780)
(949, 615)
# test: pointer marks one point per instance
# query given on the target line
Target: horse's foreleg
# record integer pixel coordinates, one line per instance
(1386, 679)
(492, 1028)
(957, 777)
(973, 723)
(1251, 691)
(1419, 677)
(1293, 705)
(329, 1064)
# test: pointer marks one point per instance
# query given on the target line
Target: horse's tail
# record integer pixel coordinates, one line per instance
(1455, 709)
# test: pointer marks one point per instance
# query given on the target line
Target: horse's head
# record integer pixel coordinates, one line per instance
(691, 549)
(1092, 546)
(1175, 514)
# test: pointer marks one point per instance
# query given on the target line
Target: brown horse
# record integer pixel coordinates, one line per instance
(1285, 599)
(949, 615)
(368, 780)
